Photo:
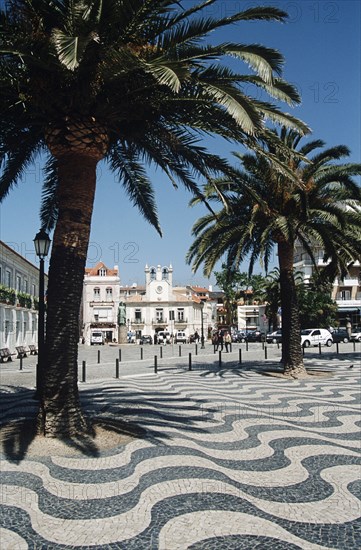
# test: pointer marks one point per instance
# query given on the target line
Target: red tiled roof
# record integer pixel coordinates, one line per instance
(95, 270)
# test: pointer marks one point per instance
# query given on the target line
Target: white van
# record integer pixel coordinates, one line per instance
(180, 337)
(97, 337)
(316, 336)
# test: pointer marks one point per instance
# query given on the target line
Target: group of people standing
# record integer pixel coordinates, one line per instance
(222, 339)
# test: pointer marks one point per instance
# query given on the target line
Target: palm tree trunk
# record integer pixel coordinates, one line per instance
(292, 357)
(60, 414)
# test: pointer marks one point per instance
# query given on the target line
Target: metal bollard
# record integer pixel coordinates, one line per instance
(196, 349)
(120, 354)
(265, 352)
(98, 355)
(319, 349)
(83, 372)
(161, 352)
(240, 356)
(155, 364)
(21, 363)
(246, 345)
(220, 359)
(141, 352)
(117, 368)
(337, 348)
(190, 361)
(180, 351)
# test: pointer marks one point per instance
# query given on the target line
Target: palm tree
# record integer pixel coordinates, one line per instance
(132, 83)
(312, 201)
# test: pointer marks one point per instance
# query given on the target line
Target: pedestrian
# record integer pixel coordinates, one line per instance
(227, 341)
(196, 337)
(215, 341)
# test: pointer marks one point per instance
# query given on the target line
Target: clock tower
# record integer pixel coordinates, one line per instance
(158, 283)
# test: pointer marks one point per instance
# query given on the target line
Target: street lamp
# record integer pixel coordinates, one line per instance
(202, 330)
(42, 245)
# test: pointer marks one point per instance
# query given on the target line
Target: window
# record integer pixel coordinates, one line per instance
(26, 286)
(102, 272)
(18, 283)
(33, 290)
(159, 314)
(8, 279)
(171, 315)
(103, 314)
(138, 315)
(180, 314)
(1, 274)
(109, 294)
(344, 295)
(96, 294)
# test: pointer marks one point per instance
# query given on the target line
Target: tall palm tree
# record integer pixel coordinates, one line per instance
(132, 83)
(313, 201)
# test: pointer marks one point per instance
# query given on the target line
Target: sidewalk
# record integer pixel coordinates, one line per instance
(230, 459)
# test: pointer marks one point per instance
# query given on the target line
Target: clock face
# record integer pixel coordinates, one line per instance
(159, 289)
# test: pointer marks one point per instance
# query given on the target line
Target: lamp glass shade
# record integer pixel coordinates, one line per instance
(42, 243)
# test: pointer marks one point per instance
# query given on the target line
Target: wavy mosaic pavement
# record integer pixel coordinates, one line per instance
(230, 460)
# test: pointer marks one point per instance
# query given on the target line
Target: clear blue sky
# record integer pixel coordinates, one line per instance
(321, 44)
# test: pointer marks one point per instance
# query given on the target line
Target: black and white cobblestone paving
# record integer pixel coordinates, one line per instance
(230, 460)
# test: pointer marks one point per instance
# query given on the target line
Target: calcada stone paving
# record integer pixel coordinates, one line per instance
(230, 459)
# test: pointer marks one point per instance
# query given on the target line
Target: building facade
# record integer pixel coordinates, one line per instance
(163, 307)
(100, 302)
(346, 292)
(157, 306)
(19, 291)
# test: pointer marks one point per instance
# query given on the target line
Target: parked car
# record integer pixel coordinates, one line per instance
(340, 335)
(238, 336)
(97, 337)
(255, 336)
(316, 336)
(146, 339)
(356, 334)
(274, 337)
(180, 337)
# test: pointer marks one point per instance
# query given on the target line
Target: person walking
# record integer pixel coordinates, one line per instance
(227, 341)
(220, 340)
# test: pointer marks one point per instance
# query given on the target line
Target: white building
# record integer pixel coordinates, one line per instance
(156, 306)
(161, 307)
(19, 291)
(100, 302)
(346, 292)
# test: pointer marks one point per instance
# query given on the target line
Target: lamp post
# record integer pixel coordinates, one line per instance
(42, 245)
(202, 329)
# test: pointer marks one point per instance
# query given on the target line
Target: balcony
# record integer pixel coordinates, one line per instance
(347, 282)
(96, 303)
(160, 322)
(180, 322)
(137, 321)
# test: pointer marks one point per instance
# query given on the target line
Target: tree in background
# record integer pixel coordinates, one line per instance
(133, 83)
(267, 204)
(317, 309)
